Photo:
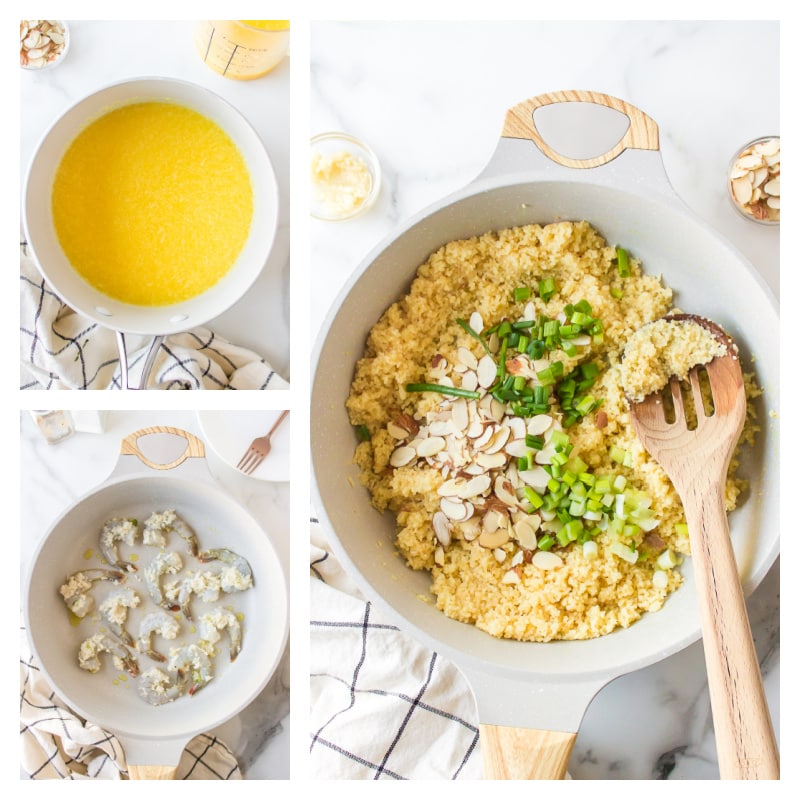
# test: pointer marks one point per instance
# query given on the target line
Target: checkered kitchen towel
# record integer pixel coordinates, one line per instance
(57, 743)
(60, 349)
(382, 706)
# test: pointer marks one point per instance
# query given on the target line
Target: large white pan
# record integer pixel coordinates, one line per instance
(82, 296)
(153, 738)
(532, 695)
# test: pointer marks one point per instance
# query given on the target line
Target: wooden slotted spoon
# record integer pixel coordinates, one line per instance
(696, 462)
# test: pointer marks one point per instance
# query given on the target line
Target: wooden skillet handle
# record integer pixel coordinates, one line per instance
(524, 753)
(143, 772)
(642, 133)
(194, 448)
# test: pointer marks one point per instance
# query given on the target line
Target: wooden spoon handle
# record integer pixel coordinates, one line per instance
(746, 746)
(524, 753)
(142, 772)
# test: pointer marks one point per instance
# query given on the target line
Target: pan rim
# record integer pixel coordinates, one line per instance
(279, 622)
(483, 185)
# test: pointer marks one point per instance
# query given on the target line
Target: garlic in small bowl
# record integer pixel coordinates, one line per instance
(43, 43)
(345, 176)
(754, 180)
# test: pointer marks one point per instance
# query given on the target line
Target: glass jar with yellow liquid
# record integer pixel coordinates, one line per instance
(242, 49)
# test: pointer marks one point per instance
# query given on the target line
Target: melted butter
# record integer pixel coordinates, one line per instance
(152, 203)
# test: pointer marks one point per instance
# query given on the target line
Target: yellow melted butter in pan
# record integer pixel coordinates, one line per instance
(152, 203)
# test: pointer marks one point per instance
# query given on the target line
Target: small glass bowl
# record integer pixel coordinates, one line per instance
(56, 61)
(731, 176)
(334, 144)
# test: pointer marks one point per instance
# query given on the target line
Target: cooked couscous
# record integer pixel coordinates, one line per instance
(495, 427)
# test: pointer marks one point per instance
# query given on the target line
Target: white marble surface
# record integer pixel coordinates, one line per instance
(53, 477)
(429, 98)
(105, 52)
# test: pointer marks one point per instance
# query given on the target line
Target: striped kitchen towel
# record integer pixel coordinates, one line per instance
(57, 743)
(382, 706)
(61, 349)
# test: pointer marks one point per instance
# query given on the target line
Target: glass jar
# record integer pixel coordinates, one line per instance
(242, 49)
(55, 426)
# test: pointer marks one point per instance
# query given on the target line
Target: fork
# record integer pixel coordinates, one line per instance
(259, 449)
(696, 462)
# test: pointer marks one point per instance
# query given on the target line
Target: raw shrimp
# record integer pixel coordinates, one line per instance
(91, 648)
(192, 664)
(236, 576)
(158, 688)
(115, 610)
(212, 623)
(162, 564)
(75, 589)
(204, 584)
(157, 622)
(118, 530)
(160, 523)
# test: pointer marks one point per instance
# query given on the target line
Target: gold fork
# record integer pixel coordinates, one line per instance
(259, 449)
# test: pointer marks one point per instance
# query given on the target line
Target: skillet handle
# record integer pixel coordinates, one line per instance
(143, 772)
(195, 448)
(524, 753)
(642, 133)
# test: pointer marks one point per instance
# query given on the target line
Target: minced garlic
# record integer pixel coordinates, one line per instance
(341, 182)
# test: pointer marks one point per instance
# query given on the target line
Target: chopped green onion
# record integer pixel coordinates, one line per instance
(547, 288)
(546, 542)
(474, 334)
(533, 441)
(504, 329)
(521, 293)
(363, 433)
(623, 263)
(668, 559)
(435, 387)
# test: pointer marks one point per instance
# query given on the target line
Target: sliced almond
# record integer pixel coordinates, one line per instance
(402, 456)
(451, 487)
(438, 556)
(494, 520)
(742, 190)
(471, 529)
(476, 322)
(525, 534)
(500, 555)
(475, 486)
(511, 577)
(539, 424)
(517, 448)
(773, 187)
(469, 380)
(486, 371)
(454, 509)
(537, 478)
(490, 460)
(395, 431)
(467, 358)
(544, 559)
(441, 528)
(504, 491)
(493, 540)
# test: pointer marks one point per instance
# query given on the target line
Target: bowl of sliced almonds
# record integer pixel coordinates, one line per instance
(754, 180)
(43, 43)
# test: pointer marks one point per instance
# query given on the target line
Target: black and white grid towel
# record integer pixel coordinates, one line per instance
(57, 743)
(61, 349)
(382, 706)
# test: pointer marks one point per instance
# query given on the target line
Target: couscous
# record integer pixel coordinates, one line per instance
(494, 425)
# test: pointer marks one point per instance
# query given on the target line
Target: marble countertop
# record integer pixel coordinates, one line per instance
(105, 52)
(430, 98)
(53, 477)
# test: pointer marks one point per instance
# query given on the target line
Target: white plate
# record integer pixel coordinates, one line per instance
(229, 433)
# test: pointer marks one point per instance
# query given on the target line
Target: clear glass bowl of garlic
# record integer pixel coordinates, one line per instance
(754, 180)
(43, 43)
